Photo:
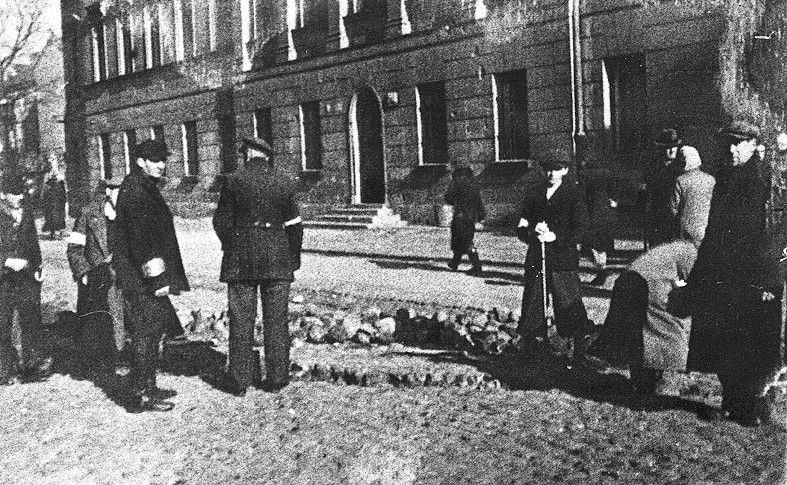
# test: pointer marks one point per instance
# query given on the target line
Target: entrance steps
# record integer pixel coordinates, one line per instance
(358, 216)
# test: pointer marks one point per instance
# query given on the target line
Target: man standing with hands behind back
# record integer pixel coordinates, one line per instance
(259, 226)
(149, 269)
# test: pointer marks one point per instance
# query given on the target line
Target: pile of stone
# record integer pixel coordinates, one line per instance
(491, 333)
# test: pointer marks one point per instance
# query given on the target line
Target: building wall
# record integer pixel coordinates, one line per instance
(447, 45)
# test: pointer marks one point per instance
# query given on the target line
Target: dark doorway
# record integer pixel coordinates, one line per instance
(369, 121)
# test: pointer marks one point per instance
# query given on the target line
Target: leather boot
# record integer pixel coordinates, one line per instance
(454, 263)
(476, 270)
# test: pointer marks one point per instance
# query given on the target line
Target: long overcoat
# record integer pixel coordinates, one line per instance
(691, 204)
(724, 282)
(146, 238)
(55, 205)
(465, 195)
(595, 186)
(254, 205)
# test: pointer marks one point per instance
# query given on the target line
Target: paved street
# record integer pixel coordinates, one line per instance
(405, 264)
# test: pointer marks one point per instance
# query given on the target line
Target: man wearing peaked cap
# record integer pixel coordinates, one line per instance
(20, 283)
(659, 185)
(736, 324)
(149, 268)
(99, 300)
(259, 225)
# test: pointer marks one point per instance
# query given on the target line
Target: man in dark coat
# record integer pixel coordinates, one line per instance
(149, 268)
(597, 242)
(20, 285)
(736, 319)
(99, 300)
(464, 195)
(555, 214)
(259, 226)
(660, 184)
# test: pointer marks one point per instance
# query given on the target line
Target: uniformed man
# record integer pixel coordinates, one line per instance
(20, 285)
(99, 301)
(464, 194)
(149, 268)
(258, 223)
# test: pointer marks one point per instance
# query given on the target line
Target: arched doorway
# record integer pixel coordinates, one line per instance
(368, 163)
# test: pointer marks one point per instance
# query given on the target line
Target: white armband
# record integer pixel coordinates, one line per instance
(153, 268)
(294, 221)
(77, 239)
(523, 223)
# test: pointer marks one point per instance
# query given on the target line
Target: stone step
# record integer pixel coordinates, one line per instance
(334, 217)
(334, 225)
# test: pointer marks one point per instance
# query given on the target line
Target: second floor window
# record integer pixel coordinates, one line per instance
(432, 127)
(311, 136)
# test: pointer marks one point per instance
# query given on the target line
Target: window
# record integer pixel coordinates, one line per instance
(129, 142)
(105, 156)
(431, 121)
(152, 38)
(157, 133)
(120, 39)
(263, 127)
(212, 24)
(99, 56)
(509, 90)
(190, 160)
(311, 12)
(623, 85)
(311, 137)
(180, 48)
(248, 13)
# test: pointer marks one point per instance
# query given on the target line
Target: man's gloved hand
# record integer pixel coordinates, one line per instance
(163, 291)
(16, 264)
(547, 237)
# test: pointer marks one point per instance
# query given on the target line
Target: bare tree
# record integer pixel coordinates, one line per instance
(23, 32)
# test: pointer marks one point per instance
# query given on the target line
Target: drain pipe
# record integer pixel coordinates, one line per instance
(577, 94)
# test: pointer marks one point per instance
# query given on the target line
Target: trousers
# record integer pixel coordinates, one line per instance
(20, 293)
(147, 316)
(243, 362)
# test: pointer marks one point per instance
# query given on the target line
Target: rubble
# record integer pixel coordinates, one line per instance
(488, 333)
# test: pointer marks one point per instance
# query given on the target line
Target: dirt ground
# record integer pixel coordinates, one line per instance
(548, 425)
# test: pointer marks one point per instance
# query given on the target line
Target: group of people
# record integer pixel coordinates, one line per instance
(126, 261)
(706, 295)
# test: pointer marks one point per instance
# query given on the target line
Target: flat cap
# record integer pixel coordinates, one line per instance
(153, 150)
(553, 164)
(255, 144)
(740, 130)
(668, 138)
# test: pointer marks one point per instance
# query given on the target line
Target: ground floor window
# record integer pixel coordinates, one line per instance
(625, 109)
(509, 90)
(190, 156)
(311, 136)
(432, 125)
(105, 155)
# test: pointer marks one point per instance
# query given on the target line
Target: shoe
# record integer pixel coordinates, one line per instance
(9, 380)
(712, 414)
(475, 272)
(38, 372)
(453, 266)
(148, 402)
(273, 386)
(162, 393)
(229, 385)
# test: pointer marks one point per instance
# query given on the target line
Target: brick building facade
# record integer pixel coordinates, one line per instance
(374, 101)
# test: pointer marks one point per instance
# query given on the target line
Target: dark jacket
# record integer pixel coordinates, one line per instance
(566, 215)
(254, 206)
(595, 186)
(146, 239)
(19, 240)
(661, 223)
(725, 285)
(87, 243)
(464, 194)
